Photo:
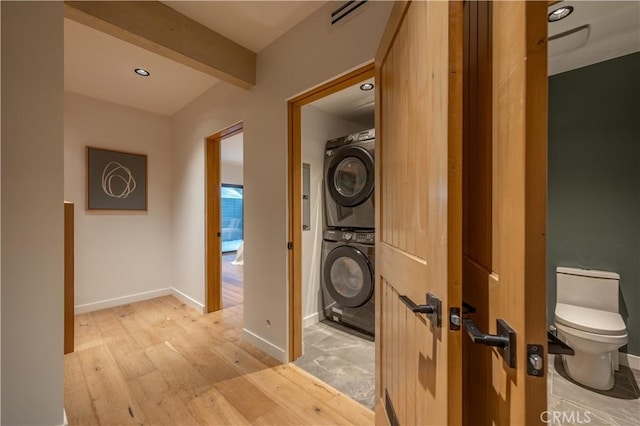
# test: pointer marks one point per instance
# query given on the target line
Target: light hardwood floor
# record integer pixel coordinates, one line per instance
(232, 282)
(161, 362)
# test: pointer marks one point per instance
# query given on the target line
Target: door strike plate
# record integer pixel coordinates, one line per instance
(455, 319)
(535, 360)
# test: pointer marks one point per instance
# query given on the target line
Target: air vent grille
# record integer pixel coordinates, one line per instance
(345, 10)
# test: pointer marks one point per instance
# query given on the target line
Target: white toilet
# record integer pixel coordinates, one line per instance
(587, 319)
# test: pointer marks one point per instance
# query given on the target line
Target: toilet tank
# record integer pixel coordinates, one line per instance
(588, 288)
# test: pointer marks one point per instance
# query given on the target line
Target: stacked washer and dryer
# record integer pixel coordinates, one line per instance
(348, 248)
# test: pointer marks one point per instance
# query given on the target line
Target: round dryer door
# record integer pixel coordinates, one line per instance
(348, 276)
(350, 176)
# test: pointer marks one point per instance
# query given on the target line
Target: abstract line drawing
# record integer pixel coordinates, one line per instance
(116, 180)
(123, 178)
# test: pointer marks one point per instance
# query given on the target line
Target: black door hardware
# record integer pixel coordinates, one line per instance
(455, 318)
(557, 346)
(504, 340)
(467, 308)
(432, 309)
(535, 360)
(535, 354)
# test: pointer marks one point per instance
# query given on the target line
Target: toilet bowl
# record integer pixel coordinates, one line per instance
(587, 319)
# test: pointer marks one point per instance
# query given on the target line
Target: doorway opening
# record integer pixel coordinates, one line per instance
(593, 205)
(224, 215)
(331, 163)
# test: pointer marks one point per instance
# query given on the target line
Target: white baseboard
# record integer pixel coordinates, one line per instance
(188, 300)
(309, 320)
(65, 421)
(118, 301)
(631, 361)
(265, 346)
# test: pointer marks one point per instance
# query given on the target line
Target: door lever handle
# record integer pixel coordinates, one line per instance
(481, 338)
(504, 340)
(557, 346)
(432, 309)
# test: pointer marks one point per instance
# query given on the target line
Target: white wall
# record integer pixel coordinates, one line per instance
(32, 213)
(307, 55)
(119, 256)
(318, 126)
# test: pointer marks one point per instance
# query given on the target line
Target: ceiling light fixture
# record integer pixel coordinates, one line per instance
(142, 72)
(560, 13)
(366, 86)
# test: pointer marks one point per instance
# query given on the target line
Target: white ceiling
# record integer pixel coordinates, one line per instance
(351, 103)
(101, 66)
(611, 29)
(251, 24)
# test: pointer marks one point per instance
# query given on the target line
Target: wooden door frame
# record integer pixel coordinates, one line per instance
(212, 225)
(294, 126)
(69, 277)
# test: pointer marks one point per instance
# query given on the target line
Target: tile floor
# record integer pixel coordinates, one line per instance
(346, 362)
(342, 360)
(619, 406)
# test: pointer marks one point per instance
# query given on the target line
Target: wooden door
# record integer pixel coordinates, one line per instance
(461, 220)
(505, 131)
(419, 213)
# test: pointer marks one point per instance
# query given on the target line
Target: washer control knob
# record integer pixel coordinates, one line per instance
(347, 236)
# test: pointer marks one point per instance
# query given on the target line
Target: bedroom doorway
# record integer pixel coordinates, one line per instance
(224, 215)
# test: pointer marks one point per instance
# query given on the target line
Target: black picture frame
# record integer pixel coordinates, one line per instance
(116, 180)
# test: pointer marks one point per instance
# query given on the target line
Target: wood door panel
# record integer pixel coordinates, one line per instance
(419, 241)
(505, 211)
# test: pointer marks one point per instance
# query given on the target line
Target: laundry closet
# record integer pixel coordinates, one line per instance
(338, 250)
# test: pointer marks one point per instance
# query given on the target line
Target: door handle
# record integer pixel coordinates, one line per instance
(557, 346)
(504, 340)
(432, 309)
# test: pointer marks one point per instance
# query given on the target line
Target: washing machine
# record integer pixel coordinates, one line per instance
(349, 178)
(348, 280)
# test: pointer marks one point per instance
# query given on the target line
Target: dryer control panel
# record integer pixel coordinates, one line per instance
(361, 237)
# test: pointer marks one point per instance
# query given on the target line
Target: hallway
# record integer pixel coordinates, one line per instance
(161, 362)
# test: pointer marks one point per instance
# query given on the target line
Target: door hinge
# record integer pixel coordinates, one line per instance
(289, 245)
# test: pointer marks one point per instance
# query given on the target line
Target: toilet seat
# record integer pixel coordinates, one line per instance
(619, 340)
(591, 321)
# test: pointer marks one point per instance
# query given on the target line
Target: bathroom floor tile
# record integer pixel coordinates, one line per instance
(342, 360)
(618, 406)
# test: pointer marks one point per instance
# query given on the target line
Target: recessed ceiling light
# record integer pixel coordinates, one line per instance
(560, 13)
(366, 86)
(142, 72)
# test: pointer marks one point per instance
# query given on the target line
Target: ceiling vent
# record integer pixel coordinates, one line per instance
(568, 40)
(344, 10)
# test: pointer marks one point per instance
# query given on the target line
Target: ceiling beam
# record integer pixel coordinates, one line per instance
(156, 27)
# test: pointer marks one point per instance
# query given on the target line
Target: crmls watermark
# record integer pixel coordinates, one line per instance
(571, 417)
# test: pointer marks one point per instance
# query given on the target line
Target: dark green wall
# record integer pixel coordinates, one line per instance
(594, 179)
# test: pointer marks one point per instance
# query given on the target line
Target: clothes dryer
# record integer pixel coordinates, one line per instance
(348, 279)
(349, 181)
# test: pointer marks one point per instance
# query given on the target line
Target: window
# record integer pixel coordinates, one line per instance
(232, 197)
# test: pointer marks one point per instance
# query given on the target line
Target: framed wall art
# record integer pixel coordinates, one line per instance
(116, 180)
